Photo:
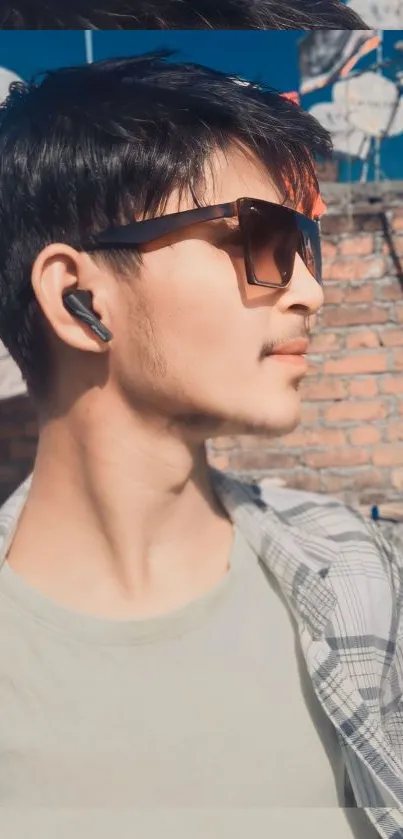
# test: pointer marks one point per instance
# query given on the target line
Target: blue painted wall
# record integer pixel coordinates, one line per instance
(269, 56)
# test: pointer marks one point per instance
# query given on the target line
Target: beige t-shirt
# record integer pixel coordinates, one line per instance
(208, 708)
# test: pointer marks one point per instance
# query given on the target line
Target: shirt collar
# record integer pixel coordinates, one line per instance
(300, 574)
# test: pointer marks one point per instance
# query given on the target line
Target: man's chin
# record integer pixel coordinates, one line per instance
(274, 421)
(273, 427)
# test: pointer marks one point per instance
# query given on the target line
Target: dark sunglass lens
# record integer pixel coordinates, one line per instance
(272, 239)
(306, 251)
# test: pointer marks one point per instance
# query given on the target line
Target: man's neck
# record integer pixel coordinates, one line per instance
(121, 519)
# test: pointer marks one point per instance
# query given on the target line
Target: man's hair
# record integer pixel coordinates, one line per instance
(91, 146)
(178, 14)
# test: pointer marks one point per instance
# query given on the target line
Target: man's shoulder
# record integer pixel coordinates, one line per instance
(317, 519)
(10, 511)
(314, 512)
(357, 544)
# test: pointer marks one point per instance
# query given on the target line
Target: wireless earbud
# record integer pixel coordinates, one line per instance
(79, 304)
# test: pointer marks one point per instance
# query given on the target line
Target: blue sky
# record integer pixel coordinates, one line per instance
(269, 56)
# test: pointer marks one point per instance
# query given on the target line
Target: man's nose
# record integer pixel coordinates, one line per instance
(303, 292)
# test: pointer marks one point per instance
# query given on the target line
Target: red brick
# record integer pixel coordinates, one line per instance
(313, 368)
(21, 449)
(369, 495)
(364, 388)
(339, 270)
(327, 437)
(353, 478)
(392, 384)
(397, 360)
(397, 479)
(315, 391)
(345, 270)
(8, 430)
(333, 294)
(359, 294)
(356, 411)
(370, 363)
(395, 431)
(398, 310)
(390, 290)
(392, 337)
(397, 247)
(329, 250)
(295, 440)
(388, 455)
(367, 478)
(365, 435)
(19, 406)
(330, 458)
(327, 271)
(305, 479)
(5, 446)
(344, 223)
(368, 222)
(31, 428)
(247, 442)
(355, 315)
(245, 460)
(342, 270)
(333, 484)
(324, 341)
(357, 246)
(397, 222)
(8, 473)
(373, 268)
(310, 414)
(314, 437)
(366, 338)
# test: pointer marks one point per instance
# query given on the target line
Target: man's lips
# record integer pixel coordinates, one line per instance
(298, 346)
(289, 352)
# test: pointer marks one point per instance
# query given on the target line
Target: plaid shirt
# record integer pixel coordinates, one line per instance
(344, 584)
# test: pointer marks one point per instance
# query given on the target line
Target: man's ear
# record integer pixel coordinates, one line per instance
(58, 269)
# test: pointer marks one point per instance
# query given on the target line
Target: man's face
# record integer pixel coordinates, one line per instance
(189, 331)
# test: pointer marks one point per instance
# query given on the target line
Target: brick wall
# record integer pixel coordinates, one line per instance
(17, 443)
(350, 442)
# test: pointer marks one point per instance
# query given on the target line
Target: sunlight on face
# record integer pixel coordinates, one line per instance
(191, 329)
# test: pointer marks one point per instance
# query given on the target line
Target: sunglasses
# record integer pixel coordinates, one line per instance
(271, 236)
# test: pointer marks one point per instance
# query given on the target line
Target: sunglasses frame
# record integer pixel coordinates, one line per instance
(148, 230)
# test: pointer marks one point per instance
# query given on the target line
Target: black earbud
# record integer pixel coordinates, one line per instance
(79, 304)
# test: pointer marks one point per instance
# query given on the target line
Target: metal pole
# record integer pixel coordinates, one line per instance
(378, 140)
(89, 46)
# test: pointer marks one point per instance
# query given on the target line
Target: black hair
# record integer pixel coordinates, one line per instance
(91, 146)
(178, 14)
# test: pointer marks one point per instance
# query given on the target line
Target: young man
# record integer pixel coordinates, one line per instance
(178, 14)
(170, 637)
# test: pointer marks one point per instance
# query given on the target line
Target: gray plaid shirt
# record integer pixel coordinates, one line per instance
(344, 584)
